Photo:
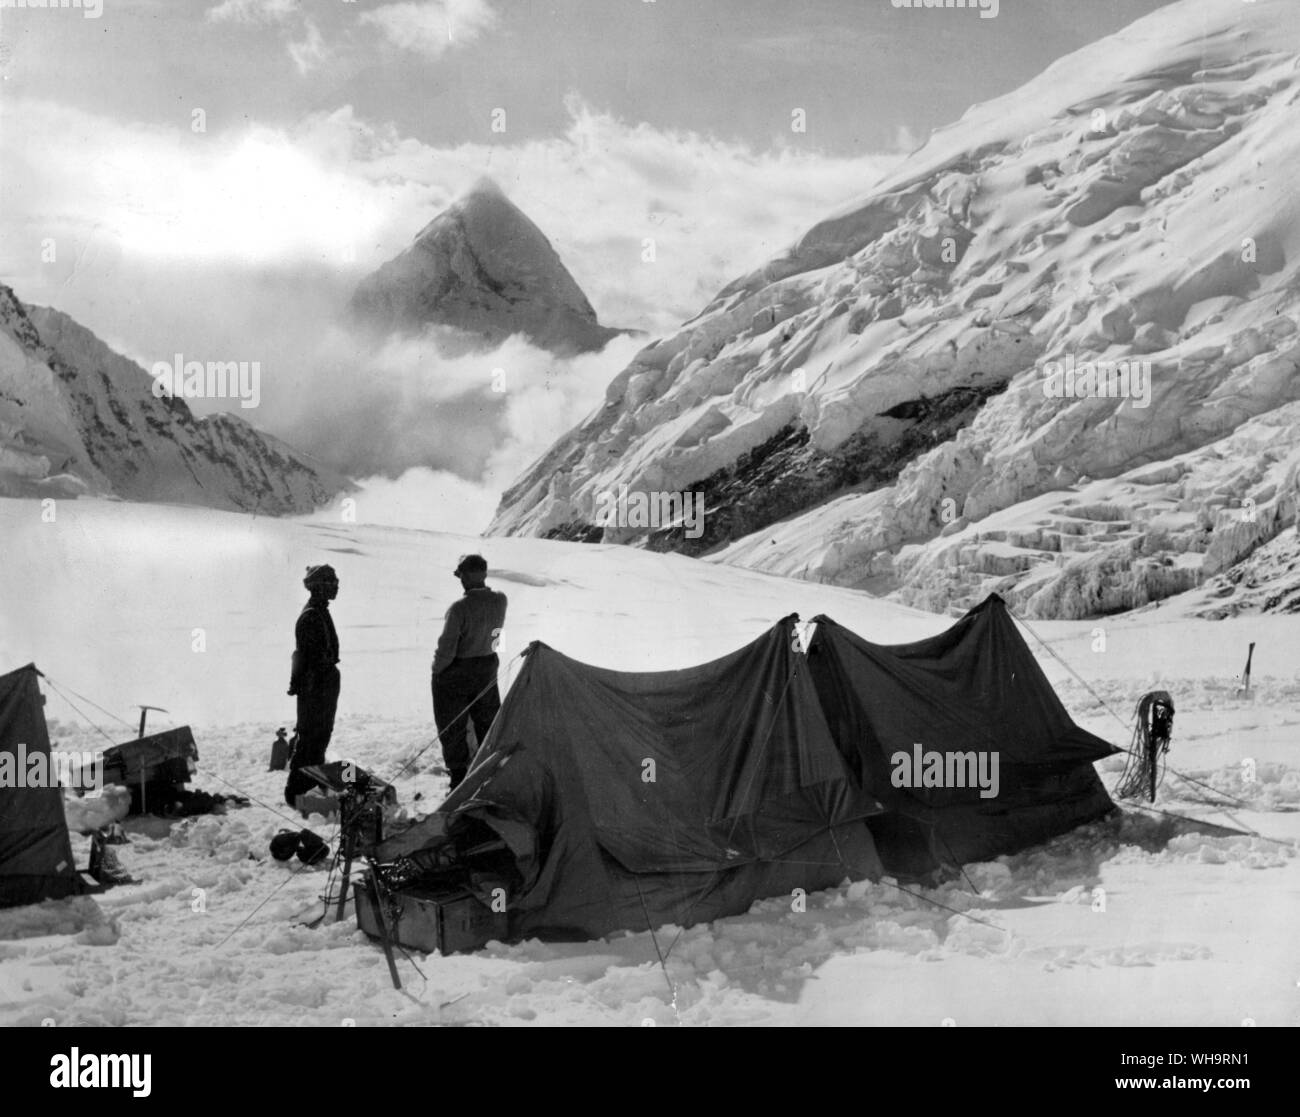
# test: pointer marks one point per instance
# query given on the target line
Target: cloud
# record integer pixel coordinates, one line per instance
(253, 11)
(482, 439)
(258, 195)
(482, 416)
(309, 52)
(432, 27)
(650, 222)
(246, 244)
(428, 499)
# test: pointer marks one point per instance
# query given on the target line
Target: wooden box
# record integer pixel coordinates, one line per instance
(430, 920)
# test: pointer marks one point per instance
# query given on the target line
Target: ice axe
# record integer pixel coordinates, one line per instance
(144, 713)
(1244, 689)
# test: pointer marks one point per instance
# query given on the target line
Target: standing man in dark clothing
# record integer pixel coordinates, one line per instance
(314, 677)
(465, 666)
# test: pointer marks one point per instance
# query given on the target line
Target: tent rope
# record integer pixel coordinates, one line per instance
(1083, 682)
(91, 702)
(1213, 790)
(1188, 779)
(663, 961)
(293, 873)
(438, 736)
(945, 907)
(89, 721)
(962, 868)
(1197, 821)
(254, 799)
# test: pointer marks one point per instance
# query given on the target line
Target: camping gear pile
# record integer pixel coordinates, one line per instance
(145, 776)
(605, 800)
(156, 769)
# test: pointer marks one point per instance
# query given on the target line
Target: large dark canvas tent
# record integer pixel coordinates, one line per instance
(975, 688)
(629, 800)
(35, 851)
(606, 800)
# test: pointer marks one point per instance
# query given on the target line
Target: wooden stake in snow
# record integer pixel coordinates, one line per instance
(1244, 689)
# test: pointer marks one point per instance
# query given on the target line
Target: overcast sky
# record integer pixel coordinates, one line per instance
(435, 69)
(319, 101)
(215, 176)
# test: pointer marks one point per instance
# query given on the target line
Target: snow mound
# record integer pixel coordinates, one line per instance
(97, 810)
(78, 915)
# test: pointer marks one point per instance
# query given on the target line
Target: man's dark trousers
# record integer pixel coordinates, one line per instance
(318, 701)
(454, 689)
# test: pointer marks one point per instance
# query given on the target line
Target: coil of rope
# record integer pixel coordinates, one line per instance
(1152, 733)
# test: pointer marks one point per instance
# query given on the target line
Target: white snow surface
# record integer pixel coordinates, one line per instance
(1198, 927)
(1134, 202)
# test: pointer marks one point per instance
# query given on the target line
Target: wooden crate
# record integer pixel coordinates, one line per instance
(427, 919)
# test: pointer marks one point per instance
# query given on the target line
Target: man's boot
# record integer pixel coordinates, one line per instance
(104, 865)
(112, 870)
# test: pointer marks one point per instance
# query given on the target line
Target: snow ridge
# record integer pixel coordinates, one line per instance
(1081, 297)
(76, 417)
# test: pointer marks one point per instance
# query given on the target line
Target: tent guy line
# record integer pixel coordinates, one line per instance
(89, 702)
(93, 725)
(1106, 705)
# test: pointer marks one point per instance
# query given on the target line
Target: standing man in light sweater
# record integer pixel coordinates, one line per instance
(465, 666)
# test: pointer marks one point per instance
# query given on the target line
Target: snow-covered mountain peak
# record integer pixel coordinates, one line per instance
(1091, 274)
(482, 267)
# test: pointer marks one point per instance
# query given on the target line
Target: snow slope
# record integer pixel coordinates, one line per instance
(875, 408)
(1197, 926)
(77, 417)
(482, 267)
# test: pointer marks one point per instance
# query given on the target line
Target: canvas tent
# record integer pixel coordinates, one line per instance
(618, 800)
(35, 851)
(974, 688)
(628, 800)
